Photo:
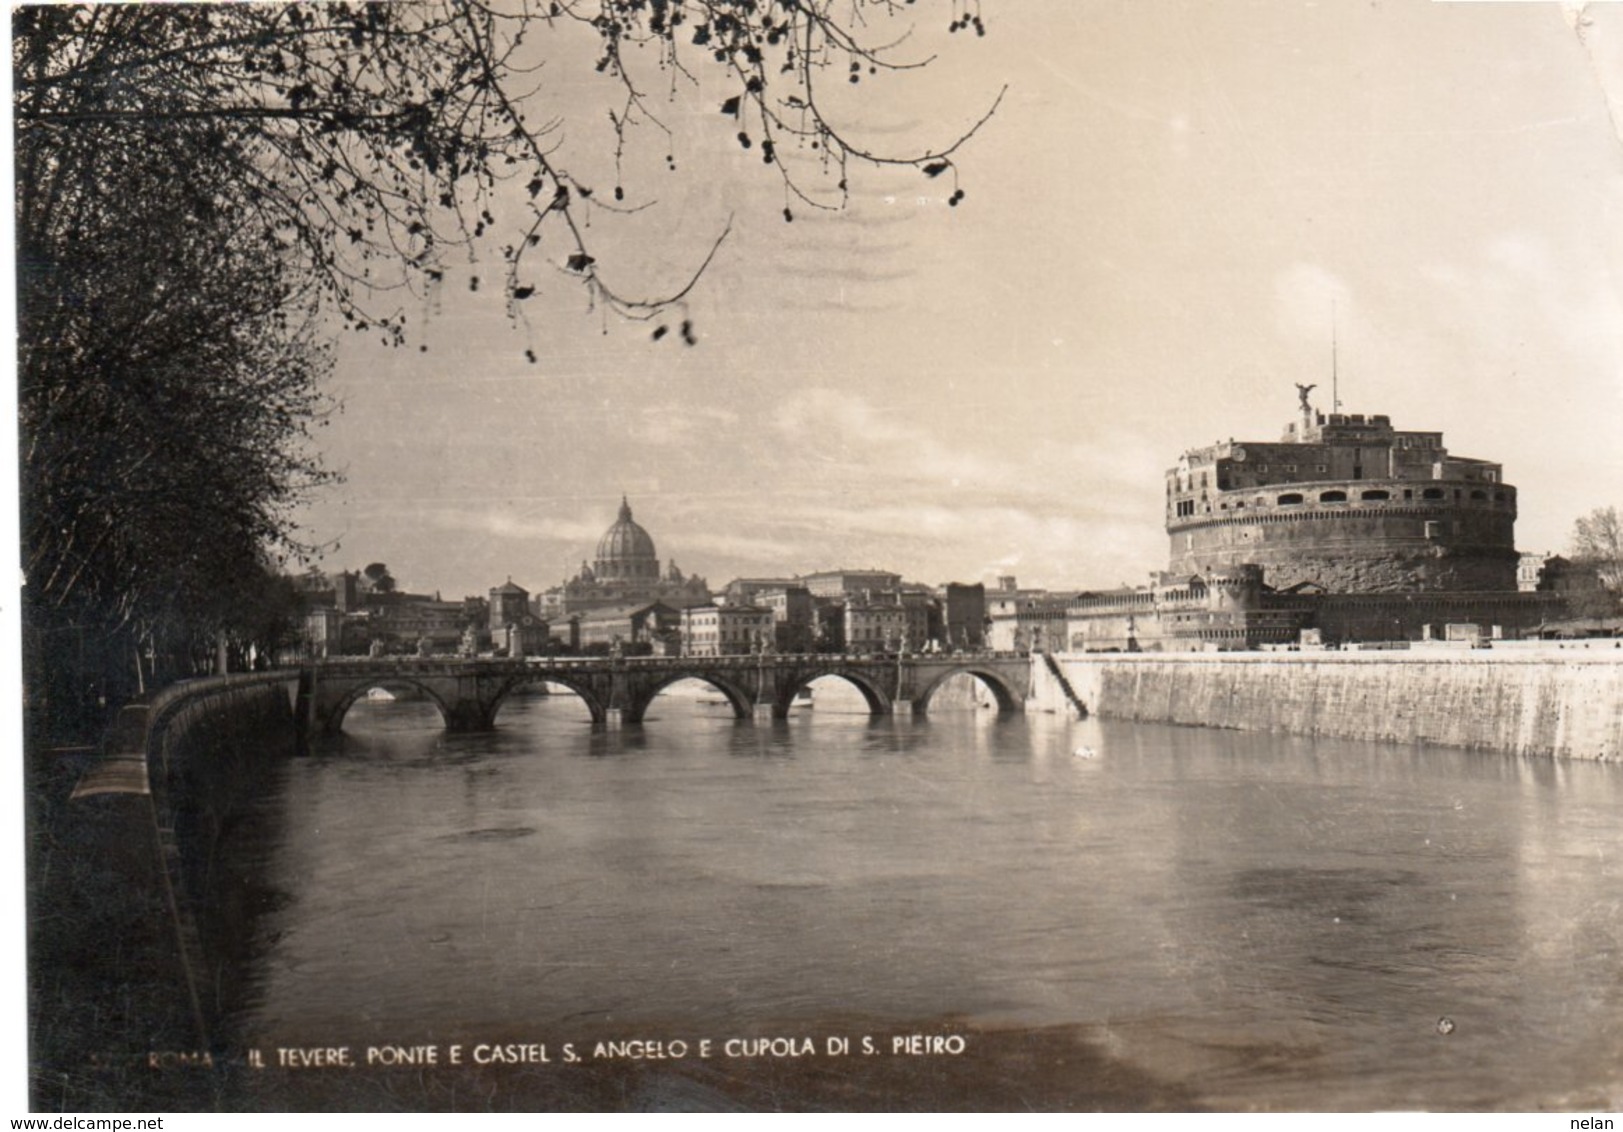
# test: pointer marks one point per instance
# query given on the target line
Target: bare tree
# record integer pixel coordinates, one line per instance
(1597, 544)
(369, 138)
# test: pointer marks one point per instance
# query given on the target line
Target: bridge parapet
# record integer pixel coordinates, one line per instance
(469, 692)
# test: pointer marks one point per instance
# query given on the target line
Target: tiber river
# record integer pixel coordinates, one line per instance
(1216, 919)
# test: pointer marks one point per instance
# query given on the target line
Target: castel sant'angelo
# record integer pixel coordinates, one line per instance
(1345, 528)
(1347, 503)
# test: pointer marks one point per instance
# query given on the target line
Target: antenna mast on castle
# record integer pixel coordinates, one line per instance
(1335, 394)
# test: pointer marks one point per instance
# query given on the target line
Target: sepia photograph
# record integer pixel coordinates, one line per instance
(820, 556)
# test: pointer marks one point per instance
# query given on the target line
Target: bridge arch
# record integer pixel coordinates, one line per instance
(1007, 697)
(594, 704)
(879, 702)
(333, 721)
(743, 703)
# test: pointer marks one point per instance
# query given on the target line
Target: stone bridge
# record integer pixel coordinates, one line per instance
(617, 691)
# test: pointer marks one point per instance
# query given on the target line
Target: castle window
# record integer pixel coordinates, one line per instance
(1479, 494)
(1407, 494)
(1375, 493)
(1499, 496)
(1432, 493)
(1332, 497)
(1434, 530)
(1290, 497)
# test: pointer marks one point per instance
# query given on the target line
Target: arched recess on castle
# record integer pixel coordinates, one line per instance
(543, 676)
(742, 703)
(333, 721)
(878, 701)
(1008, 699)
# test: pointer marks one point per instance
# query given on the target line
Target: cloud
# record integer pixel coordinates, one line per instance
(1521, 294)
(504, 524)
(774, 552)
(679, 426)
(866, 444)
(932, 541)
(1307, 298)
(850, 481)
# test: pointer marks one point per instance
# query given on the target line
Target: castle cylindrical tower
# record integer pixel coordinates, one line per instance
(1346, 503)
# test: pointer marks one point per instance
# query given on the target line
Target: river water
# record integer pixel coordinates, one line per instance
(1219, 919)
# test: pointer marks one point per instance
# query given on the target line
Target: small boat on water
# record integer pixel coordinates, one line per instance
(380, 695)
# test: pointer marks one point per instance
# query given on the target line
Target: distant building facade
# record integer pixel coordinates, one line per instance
(794, 621)
(743, 591)
(1215, 611)
(874, 624)
(726, 630)
(514, 628)
(632, 628)
(841, 583)
(351, 614)
(1530, 569)
(963, 615)
(1028, 620)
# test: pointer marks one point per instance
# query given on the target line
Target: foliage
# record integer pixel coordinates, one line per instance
(378, 578)
(1598, 537)
(1597, 551)
(168, 376)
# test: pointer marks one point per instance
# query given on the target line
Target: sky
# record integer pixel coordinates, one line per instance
(1174, 212)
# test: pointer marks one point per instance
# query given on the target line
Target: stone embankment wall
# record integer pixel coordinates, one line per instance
(209, 753)
(147, 820)
(1563, 703)
(195, 746)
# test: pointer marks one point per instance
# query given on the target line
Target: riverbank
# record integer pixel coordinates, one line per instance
(1556, 703)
